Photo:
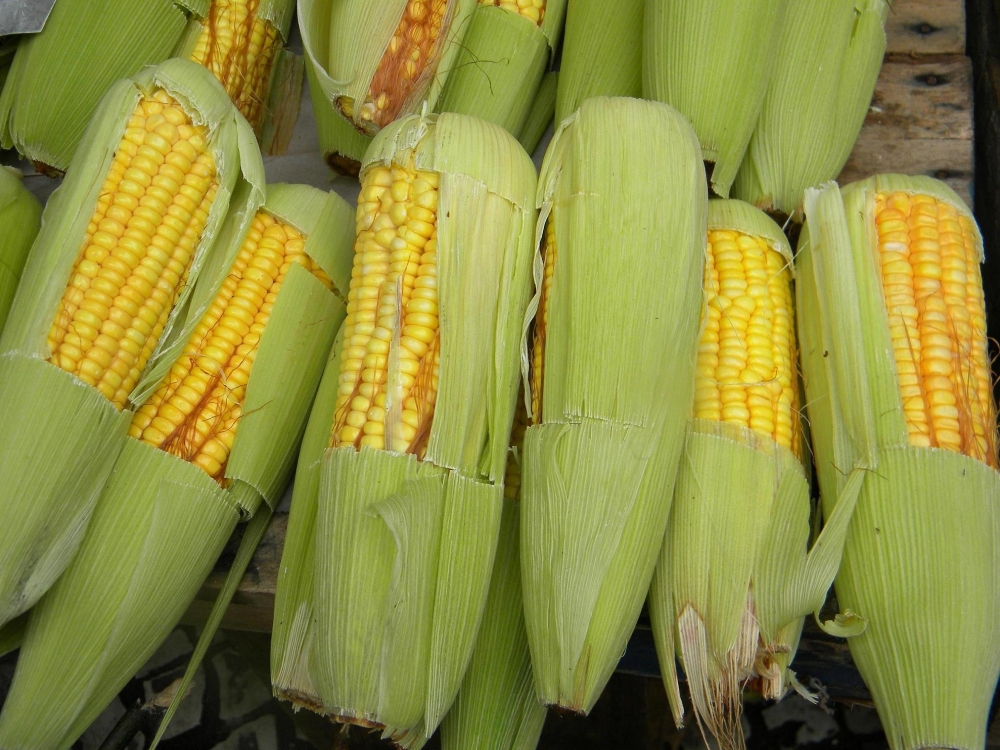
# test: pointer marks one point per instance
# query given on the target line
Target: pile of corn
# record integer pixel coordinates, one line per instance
(481, 505)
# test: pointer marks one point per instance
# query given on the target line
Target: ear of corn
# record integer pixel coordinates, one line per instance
(894, 357)
(734, 581)
(240, 41)
(216, 437)
(410, 495)
(541, 114)
(602, 452)
(20, 214)
(711, 60)
(56, 460)
(827, 61)
(602, 52)
(496, 708)
(504, 54)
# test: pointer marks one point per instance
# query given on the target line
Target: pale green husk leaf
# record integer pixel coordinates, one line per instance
(602, 52)
(496, 708)
(542, 111)
(153, 538)
(281, 110)
(408, 545)
(712, 61)
(828, 59)
(498, 69)
(60, 74)
(343, 147)
(20, 215)
(292, 634)
(12, 634)
(74, 440)
(598, 469)
(921, 556)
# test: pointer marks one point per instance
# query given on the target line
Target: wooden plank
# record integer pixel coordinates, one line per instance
(926, 27)
(920, 122)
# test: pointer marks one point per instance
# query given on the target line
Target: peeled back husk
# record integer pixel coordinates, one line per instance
(734, 580)
(161, 522)
(405, 546)
(20, 217)
(712, 60)
(623, 183)
(63, 435)
(922, 555)
(829, 53)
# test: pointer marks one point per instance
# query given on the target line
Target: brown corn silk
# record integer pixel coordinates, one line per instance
(541, 322)
(747, 355)
(137, 249)
(195, 411)
(393, 296)
(929, 264)
(533, 10)
(239, 48)
(411, 53)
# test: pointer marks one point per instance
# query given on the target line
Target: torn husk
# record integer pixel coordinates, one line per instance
(823, 75)
(602, 52)
(408, 517)
(497, 708)
(734, 580)
(619, 175)
(921, 559)
(711, 61)
(163, 517)
(64, 434)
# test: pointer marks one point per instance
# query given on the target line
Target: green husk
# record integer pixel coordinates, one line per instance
(342, 145)
(60, 445)
(189, 517)
(496, 708)
(734, 582)
(541, 114)
(621, 174)
(711, 60)
(404, 548)
(294, 624)
(602, 52)
(20, 217)
(921, 558)
(501, 63)
(8, 46)
(60, 74)
(828, 59)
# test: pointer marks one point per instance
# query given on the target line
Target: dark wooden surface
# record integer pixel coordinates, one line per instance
(920, 122)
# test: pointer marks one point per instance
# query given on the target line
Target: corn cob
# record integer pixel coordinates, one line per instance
(828, 57)
(733, 582)
(496, 707)
(20, 213)
(123, 243)
(607, 433)
(216, 437)
(59, 74)
(696, 55)
(897, 377)
(391, 645)
(602, 53)
(376, 61)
